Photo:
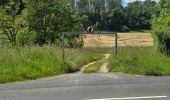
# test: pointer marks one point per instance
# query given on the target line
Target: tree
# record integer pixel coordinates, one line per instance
(139, 14)
(10, 20)
(102, 14)
(48, 18)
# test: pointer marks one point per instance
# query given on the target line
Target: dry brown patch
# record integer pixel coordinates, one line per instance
(124, 39)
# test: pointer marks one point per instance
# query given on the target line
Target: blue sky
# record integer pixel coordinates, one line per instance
(125, 2)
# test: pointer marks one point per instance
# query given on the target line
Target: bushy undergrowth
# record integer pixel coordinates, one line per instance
(22, 63)
(144, 61)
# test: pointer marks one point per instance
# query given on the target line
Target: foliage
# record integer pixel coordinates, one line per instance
(161, 27)
(3, 2)
(38, 22)
(125, 29)
(96, 13)
(140, 60)
(139, 14)
(47, 18)
(23, 63)
(111, 15)
(10, 21)
(42, 21)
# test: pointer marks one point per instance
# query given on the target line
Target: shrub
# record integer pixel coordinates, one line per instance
(161, 28)
(74, 41)
(125, 29)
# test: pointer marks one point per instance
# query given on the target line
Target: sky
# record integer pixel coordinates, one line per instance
(127, 1)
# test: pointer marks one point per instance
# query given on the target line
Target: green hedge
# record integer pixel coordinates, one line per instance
(161, 27)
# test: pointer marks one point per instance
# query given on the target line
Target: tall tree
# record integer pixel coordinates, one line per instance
(139, 14)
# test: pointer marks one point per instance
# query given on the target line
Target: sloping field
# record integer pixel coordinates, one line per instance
(124, 39)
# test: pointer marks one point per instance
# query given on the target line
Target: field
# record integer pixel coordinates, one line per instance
(124, 39)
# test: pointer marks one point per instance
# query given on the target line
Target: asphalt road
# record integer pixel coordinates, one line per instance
(99, 86)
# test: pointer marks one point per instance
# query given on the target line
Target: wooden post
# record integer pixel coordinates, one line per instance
(62, 46)
(116, 45)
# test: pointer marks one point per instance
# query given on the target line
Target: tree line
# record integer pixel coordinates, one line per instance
(112, 16)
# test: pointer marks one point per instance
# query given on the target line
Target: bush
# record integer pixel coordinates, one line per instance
(162, 42)
(161, 28)
(74, 41)
(25, 38)
(125, 29)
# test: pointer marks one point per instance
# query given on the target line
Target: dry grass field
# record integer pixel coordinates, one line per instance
(124, 39)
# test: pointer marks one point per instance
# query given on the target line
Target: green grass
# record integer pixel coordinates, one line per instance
(24, 63)
(94, 67)
(0, 30)
(144, 61)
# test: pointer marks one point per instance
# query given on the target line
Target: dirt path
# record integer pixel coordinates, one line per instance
(85, 66)
(103, 68)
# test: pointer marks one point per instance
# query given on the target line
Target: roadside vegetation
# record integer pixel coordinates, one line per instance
(161, 27)
(140, 60)
(149, 61)
(23, 63)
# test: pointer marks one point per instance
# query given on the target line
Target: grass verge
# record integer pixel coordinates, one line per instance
(24, 63)
(144, 61)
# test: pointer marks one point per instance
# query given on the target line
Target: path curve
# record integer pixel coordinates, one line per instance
(103, 68)
(85, 66)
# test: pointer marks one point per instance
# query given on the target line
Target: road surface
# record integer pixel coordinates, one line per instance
(98, 86)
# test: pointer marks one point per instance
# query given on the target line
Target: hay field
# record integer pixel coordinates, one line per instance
(124, 39)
